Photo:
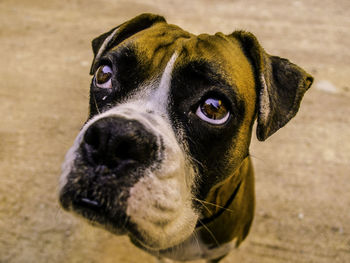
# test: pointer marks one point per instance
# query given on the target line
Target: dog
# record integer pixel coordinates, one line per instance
(164, 155)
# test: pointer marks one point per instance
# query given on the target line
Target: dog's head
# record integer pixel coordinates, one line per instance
(171, 115)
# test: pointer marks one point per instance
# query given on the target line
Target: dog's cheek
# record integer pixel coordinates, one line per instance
(160, 203)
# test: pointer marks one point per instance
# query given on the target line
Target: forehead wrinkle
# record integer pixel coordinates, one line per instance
(208, 74)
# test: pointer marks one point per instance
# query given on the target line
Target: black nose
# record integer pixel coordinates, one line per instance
(115, 141)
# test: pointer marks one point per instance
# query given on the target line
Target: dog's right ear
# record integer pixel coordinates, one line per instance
(280, 86)
(106, 41)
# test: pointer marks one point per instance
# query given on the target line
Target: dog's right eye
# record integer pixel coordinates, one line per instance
(214, 111)
(103, 77)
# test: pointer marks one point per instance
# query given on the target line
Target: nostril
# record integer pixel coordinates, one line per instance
(94, 144)
(92, 137)
(123, 150)
(133, 149)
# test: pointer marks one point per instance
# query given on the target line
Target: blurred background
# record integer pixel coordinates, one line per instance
(302, 172)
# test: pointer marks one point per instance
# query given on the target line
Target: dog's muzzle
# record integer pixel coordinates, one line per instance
(127, 173)
(113, 154)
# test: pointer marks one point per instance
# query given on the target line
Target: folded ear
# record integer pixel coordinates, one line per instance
(280, 86)
(115, 36)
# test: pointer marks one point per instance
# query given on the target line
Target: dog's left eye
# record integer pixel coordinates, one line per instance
(103, 77)
(214, 111)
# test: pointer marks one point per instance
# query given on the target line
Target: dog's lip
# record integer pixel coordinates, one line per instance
(97, 214)
(88, 203)
(134, 237)
(89, 208)
(140, 242)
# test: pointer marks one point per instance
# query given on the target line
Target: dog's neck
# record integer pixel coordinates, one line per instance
(227, 220)
(228, 205)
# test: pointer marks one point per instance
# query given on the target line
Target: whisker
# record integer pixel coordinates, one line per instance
(263, 162)
(191, 157)
(255, 157)
(98, 110)
(210, 233)
(208, 203)
(197, 240)
(202, 203)
(58, 212)
(81, 93)
(196, 161)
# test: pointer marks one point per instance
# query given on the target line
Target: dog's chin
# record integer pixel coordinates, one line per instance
(161, 216)
(155, 238)
(153, 229)
(149, 236)
(115, 222)
(106, 224)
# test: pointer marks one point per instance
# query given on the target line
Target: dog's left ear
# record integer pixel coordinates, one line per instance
(280, 86)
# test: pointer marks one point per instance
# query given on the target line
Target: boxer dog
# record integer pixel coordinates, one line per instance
(164, 154)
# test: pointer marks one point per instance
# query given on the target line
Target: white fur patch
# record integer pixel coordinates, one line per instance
(264, 106)
(161, 95)
(105, 43)
(160, 204)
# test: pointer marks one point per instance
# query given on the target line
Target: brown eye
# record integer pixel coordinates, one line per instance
(214, 111)
(103, 77)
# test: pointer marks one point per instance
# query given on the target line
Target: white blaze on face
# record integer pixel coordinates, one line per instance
(160, 203)
(160, 97)
(264, 101)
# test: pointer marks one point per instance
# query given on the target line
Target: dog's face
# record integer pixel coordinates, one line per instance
(171, 116)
